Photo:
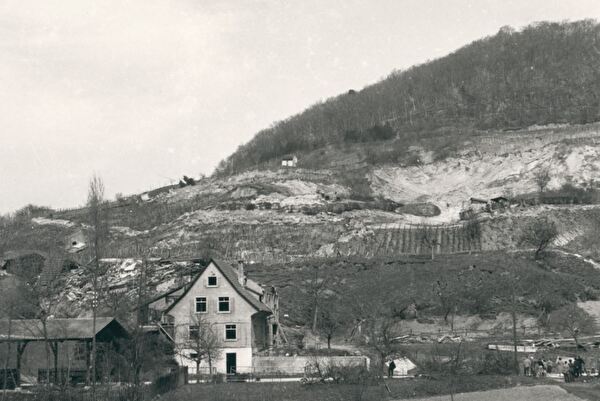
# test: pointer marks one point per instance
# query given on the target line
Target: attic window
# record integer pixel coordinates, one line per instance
(212, 281)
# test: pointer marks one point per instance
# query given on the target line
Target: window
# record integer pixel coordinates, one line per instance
(230, 332)
(212, 281)
(194, 332)
(200, 304)
(223, 304)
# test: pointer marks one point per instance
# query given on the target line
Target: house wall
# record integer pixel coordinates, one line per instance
(34, 357)
(244, 361)
(241, 313)
(260, 327)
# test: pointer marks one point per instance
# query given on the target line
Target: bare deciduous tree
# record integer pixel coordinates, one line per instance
(542, 178)
(540, 233)
(448, 295)
(331, 321)
(316, 288)
(203, 340)
(429, 237)
(98, 235)
(572, 320)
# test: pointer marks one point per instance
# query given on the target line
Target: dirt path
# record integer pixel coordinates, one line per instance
(533, 393)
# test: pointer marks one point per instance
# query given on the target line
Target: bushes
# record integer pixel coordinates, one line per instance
(496, 363)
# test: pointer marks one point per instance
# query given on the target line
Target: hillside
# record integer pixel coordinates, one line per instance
(545, 73)
(437, 196)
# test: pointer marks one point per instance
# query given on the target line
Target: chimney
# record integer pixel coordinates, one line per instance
(241, 273)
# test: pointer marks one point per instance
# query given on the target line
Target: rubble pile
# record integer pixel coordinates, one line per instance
(121, 279)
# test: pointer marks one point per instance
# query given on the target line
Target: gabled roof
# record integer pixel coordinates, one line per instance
(58, 329)
(231, 276)
(185, 287)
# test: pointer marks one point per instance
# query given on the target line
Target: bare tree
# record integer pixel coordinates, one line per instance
(572, 320)
(40, 296)
(330, 322)
(316, 288)
(376, 311)
(542, 178)
(429, 237)
(540, 233)
(98, 234)
(447, 293)
(203, 340)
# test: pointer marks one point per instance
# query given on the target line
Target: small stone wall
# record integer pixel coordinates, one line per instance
(295, 365)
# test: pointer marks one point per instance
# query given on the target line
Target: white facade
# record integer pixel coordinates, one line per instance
(289, 162)
(218, 298)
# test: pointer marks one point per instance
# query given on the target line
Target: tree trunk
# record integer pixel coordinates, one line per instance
(54, 347)
(20, 350)
(94, 306)
(514, 332)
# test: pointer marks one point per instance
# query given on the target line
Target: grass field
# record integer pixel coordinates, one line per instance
(399, 389)
(533, 393)
(590, 392)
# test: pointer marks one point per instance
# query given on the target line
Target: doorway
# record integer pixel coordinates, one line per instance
(231, 363)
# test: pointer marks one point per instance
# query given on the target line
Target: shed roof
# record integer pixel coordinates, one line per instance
(59, 329)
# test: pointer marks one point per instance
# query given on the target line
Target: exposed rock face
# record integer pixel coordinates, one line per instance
(281, 215)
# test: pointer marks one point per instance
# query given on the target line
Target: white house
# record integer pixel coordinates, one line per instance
(241, 312)
(289, 161)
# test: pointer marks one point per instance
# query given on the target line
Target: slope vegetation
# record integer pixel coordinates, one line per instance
(545, 73)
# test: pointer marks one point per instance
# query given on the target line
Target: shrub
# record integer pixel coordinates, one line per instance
(496, 363)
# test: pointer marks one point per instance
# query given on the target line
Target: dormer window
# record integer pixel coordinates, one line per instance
(212, 281)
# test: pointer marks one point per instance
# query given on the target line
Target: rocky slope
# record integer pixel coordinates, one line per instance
(280, 215)
(285, 218)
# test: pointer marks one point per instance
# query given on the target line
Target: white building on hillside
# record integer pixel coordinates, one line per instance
(289, 161)
(242, 314)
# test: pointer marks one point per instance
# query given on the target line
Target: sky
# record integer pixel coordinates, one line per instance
(141, 92)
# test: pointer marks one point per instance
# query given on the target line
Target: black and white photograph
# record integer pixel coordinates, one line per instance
(299, 200)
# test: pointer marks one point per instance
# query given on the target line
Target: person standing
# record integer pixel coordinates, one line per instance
(391, 368)
(527, 366)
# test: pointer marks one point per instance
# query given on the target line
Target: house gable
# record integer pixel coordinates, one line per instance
(226, 278)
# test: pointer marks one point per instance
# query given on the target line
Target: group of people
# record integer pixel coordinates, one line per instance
(570, 368)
